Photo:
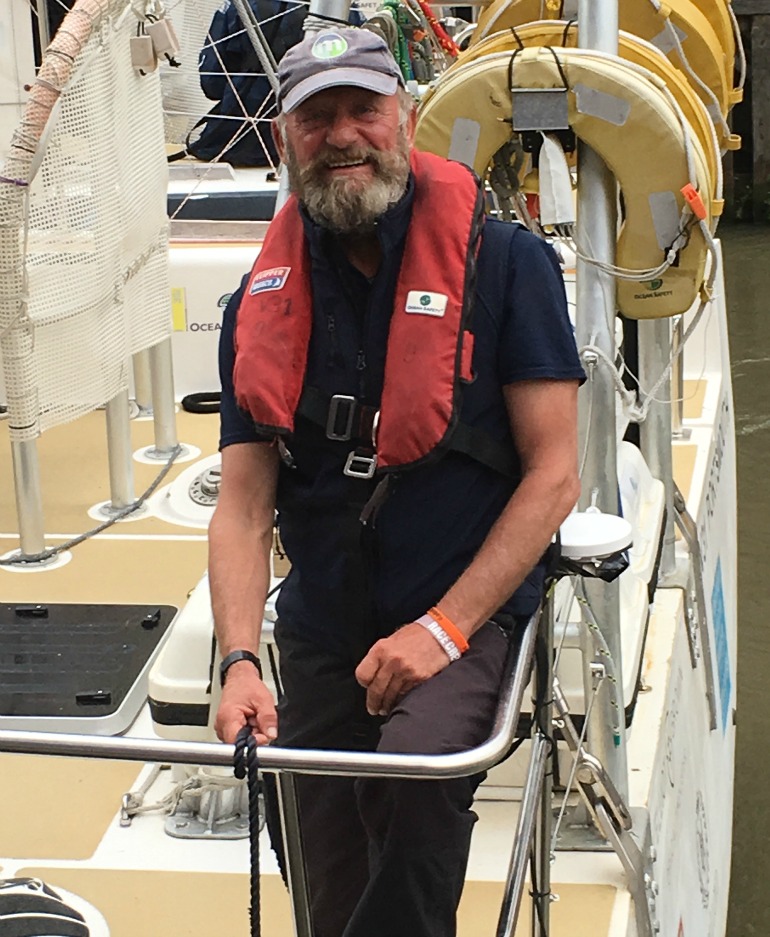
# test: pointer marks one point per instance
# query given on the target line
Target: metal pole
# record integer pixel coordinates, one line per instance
(334, 9)
(677, 381)
(142, 382)
(294, 851)
(596, 236)
(164, 416)
(119, 454)
(338, 9)
(43, 28)
(259, 43)
(541, 899)
(514, 885)
(29, 497)
(655, 432)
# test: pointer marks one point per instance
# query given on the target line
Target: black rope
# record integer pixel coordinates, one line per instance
(205, 402)
(246, 765)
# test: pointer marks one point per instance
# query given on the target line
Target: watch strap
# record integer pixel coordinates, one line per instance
(232, 658)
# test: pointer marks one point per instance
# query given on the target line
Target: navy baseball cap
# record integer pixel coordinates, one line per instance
(333, 58)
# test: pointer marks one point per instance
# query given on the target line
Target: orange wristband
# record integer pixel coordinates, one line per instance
(451, 629)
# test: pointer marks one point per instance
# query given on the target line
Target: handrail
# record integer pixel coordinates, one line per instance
(308, 761)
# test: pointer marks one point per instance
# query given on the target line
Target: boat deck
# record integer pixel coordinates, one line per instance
(60, 816)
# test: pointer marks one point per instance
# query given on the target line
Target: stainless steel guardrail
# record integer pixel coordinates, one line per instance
(287, 763)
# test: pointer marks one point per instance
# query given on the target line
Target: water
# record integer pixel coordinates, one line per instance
(747, 272)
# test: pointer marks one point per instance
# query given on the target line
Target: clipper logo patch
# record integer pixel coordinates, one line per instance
(423, 303)
(266, 280)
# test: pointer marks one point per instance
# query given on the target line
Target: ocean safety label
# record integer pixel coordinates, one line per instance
(273, 279)
(423, 303)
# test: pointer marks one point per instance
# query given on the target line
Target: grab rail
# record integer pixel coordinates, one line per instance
(287, 763)
(307, 761)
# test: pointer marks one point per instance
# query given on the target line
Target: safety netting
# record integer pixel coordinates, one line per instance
(83, 224)
(184, 103)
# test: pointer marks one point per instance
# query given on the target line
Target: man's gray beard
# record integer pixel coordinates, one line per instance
(348, 206)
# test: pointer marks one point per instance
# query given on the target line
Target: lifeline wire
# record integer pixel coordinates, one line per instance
(25, 559)
(573, 770)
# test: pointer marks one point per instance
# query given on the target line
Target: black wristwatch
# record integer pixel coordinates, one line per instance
(232, 658)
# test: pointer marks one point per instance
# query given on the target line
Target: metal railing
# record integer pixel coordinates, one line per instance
(287, 763)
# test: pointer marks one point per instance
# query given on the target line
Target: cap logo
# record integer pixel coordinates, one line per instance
(329, 46)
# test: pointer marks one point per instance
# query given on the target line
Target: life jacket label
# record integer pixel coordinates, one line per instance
(266, 280)
(423, 303)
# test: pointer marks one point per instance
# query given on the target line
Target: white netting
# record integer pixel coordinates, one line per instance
(183, 101)
(83, 225)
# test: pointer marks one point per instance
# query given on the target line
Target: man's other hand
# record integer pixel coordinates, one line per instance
(245, 698)
(397, 664)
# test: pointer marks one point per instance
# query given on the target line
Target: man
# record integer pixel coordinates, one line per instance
(384, 326)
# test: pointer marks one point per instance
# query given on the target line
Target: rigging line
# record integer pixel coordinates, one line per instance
(248, 125)
(258, 42)
(573, 770)
(683, 399)
(36, 12)
(649, 398)
(241, 132)
(119, 516)
(272, 80)
(568, 605)
(738, 46)
(589, 417)
(603, 651)
(298, 4)
(697, 79)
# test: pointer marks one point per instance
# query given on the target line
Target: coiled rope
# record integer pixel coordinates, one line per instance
(246, 765)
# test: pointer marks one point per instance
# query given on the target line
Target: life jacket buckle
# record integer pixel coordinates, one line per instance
(339, 422)
(358, 465)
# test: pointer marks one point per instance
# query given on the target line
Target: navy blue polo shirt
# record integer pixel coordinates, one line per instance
(345, 579)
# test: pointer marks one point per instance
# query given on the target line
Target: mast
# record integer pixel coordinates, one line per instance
(595, 326)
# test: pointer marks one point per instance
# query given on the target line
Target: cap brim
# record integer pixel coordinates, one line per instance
(335, 78)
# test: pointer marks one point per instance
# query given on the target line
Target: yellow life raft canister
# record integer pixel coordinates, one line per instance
(624, 113)
(678, 28)
(560, 33)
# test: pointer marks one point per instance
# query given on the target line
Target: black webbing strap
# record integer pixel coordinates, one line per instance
(479, 445)
(246, 765)
(315, 406)
(469, 440)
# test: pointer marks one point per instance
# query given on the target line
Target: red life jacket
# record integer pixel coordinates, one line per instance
(429, 345)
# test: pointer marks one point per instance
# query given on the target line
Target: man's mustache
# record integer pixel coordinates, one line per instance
(328, 159)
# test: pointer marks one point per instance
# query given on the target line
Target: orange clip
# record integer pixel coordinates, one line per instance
(693, 199)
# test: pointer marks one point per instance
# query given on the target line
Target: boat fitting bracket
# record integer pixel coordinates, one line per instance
(688, 528)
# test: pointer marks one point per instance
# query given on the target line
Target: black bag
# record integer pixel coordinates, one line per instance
(230, 70)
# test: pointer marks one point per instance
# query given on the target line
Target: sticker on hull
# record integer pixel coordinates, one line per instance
(723, 651)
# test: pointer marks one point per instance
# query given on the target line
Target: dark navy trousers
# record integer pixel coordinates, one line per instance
(385, 858)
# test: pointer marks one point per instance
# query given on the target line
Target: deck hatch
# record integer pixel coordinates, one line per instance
(69, 660)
